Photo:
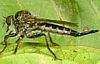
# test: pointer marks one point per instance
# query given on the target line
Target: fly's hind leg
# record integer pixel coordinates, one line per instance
(35, 35)
(55, 57)
(52, 40)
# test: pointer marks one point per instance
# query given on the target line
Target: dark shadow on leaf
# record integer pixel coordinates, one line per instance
(37, 44)
(34, 44)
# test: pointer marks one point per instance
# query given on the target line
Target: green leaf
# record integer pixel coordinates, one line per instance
(72, 50)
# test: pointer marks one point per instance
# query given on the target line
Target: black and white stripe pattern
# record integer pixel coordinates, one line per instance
(62, 30)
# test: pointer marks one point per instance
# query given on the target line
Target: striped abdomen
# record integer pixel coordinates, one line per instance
(62, 30)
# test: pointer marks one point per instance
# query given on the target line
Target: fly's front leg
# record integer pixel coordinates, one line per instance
(18, 43)
(4, 43)
(52, 40)
(35, 35)
(5, 40)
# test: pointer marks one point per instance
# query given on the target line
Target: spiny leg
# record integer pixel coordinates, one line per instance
(47, 44)
(5, 40)
(55, 57)
(52, 40)
(18, 43)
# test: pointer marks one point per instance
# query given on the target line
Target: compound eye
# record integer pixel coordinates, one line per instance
(9, 19)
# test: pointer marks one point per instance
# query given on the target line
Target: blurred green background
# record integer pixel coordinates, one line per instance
(84, 12)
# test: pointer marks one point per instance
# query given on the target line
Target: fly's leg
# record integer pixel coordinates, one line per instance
(55, 57)
(47, 44)
(52, 40)
(18, 43)
(4, 43)
(5, 40)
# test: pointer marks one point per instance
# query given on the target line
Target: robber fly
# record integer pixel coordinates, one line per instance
(25, 24)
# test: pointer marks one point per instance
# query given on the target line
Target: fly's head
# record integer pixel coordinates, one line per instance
(10, 23)
(21, 23)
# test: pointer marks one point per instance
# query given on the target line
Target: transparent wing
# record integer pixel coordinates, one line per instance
(32, 20)
(58, 22)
